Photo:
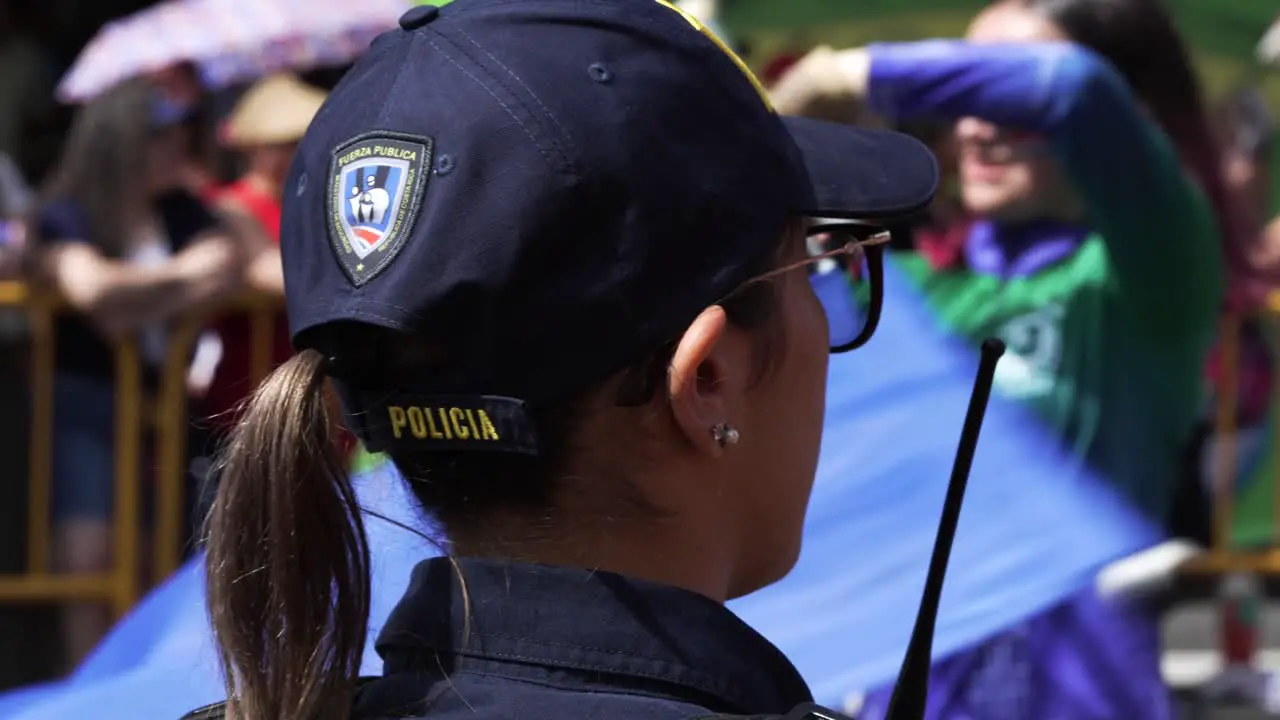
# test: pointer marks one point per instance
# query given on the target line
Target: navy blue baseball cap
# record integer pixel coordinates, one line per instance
(550, 190)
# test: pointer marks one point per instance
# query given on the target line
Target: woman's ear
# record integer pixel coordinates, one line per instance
(695, 381)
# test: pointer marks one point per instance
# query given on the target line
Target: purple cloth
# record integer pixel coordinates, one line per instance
(1084, 659)
(1020, 251)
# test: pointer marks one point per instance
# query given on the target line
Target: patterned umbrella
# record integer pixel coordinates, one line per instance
(229, 40)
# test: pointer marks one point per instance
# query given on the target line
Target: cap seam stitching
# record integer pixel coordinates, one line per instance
(663, 21)
(356, 313)
(564, 134)
(505, 106)
(659, 21)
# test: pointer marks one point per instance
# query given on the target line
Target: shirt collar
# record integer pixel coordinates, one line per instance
(1021, 250)
(662, 639)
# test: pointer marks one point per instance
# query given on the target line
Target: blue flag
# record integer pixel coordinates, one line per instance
(1035, 529)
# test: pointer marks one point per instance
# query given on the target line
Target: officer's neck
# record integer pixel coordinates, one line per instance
(666, 550)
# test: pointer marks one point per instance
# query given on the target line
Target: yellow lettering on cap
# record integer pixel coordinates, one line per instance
(355, 154)
(416, 424)
(444, 423)
(432, 432)
(456, 418)
(398, 420)
(697, 25)
(487, 430)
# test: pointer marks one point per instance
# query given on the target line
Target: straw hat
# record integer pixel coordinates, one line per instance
(276, 110)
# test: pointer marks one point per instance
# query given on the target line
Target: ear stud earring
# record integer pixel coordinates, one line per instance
(725, 434)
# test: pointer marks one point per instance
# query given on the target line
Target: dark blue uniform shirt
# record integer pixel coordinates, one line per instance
(551, 643)
(81, 350)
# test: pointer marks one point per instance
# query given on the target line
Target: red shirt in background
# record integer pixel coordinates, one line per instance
(231, 383)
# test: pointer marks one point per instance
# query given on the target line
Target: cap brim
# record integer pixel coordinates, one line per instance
(862, 173)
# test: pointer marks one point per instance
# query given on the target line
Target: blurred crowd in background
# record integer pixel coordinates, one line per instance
(145, 188)
(149, 194)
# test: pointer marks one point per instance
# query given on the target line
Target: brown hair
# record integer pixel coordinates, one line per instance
(288, 561)
(1140, 39)
(105, 151)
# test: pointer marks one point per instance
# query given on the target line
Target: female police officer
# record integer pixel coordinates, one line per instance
(552, 255)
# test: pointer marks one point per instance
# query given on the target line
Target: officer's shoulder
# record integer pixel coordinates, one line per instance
(804, 711)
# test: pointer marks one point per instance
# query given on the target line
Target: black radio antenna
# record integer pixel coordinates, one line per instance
(912, 690)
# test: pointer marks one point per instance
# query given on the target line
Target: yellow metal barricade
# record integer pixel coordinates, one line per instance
(1224, 556)
(118, 587)
(172, 415)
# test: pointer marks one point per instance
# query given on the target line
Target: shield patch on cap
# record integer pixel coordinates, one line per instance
(376, 185)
